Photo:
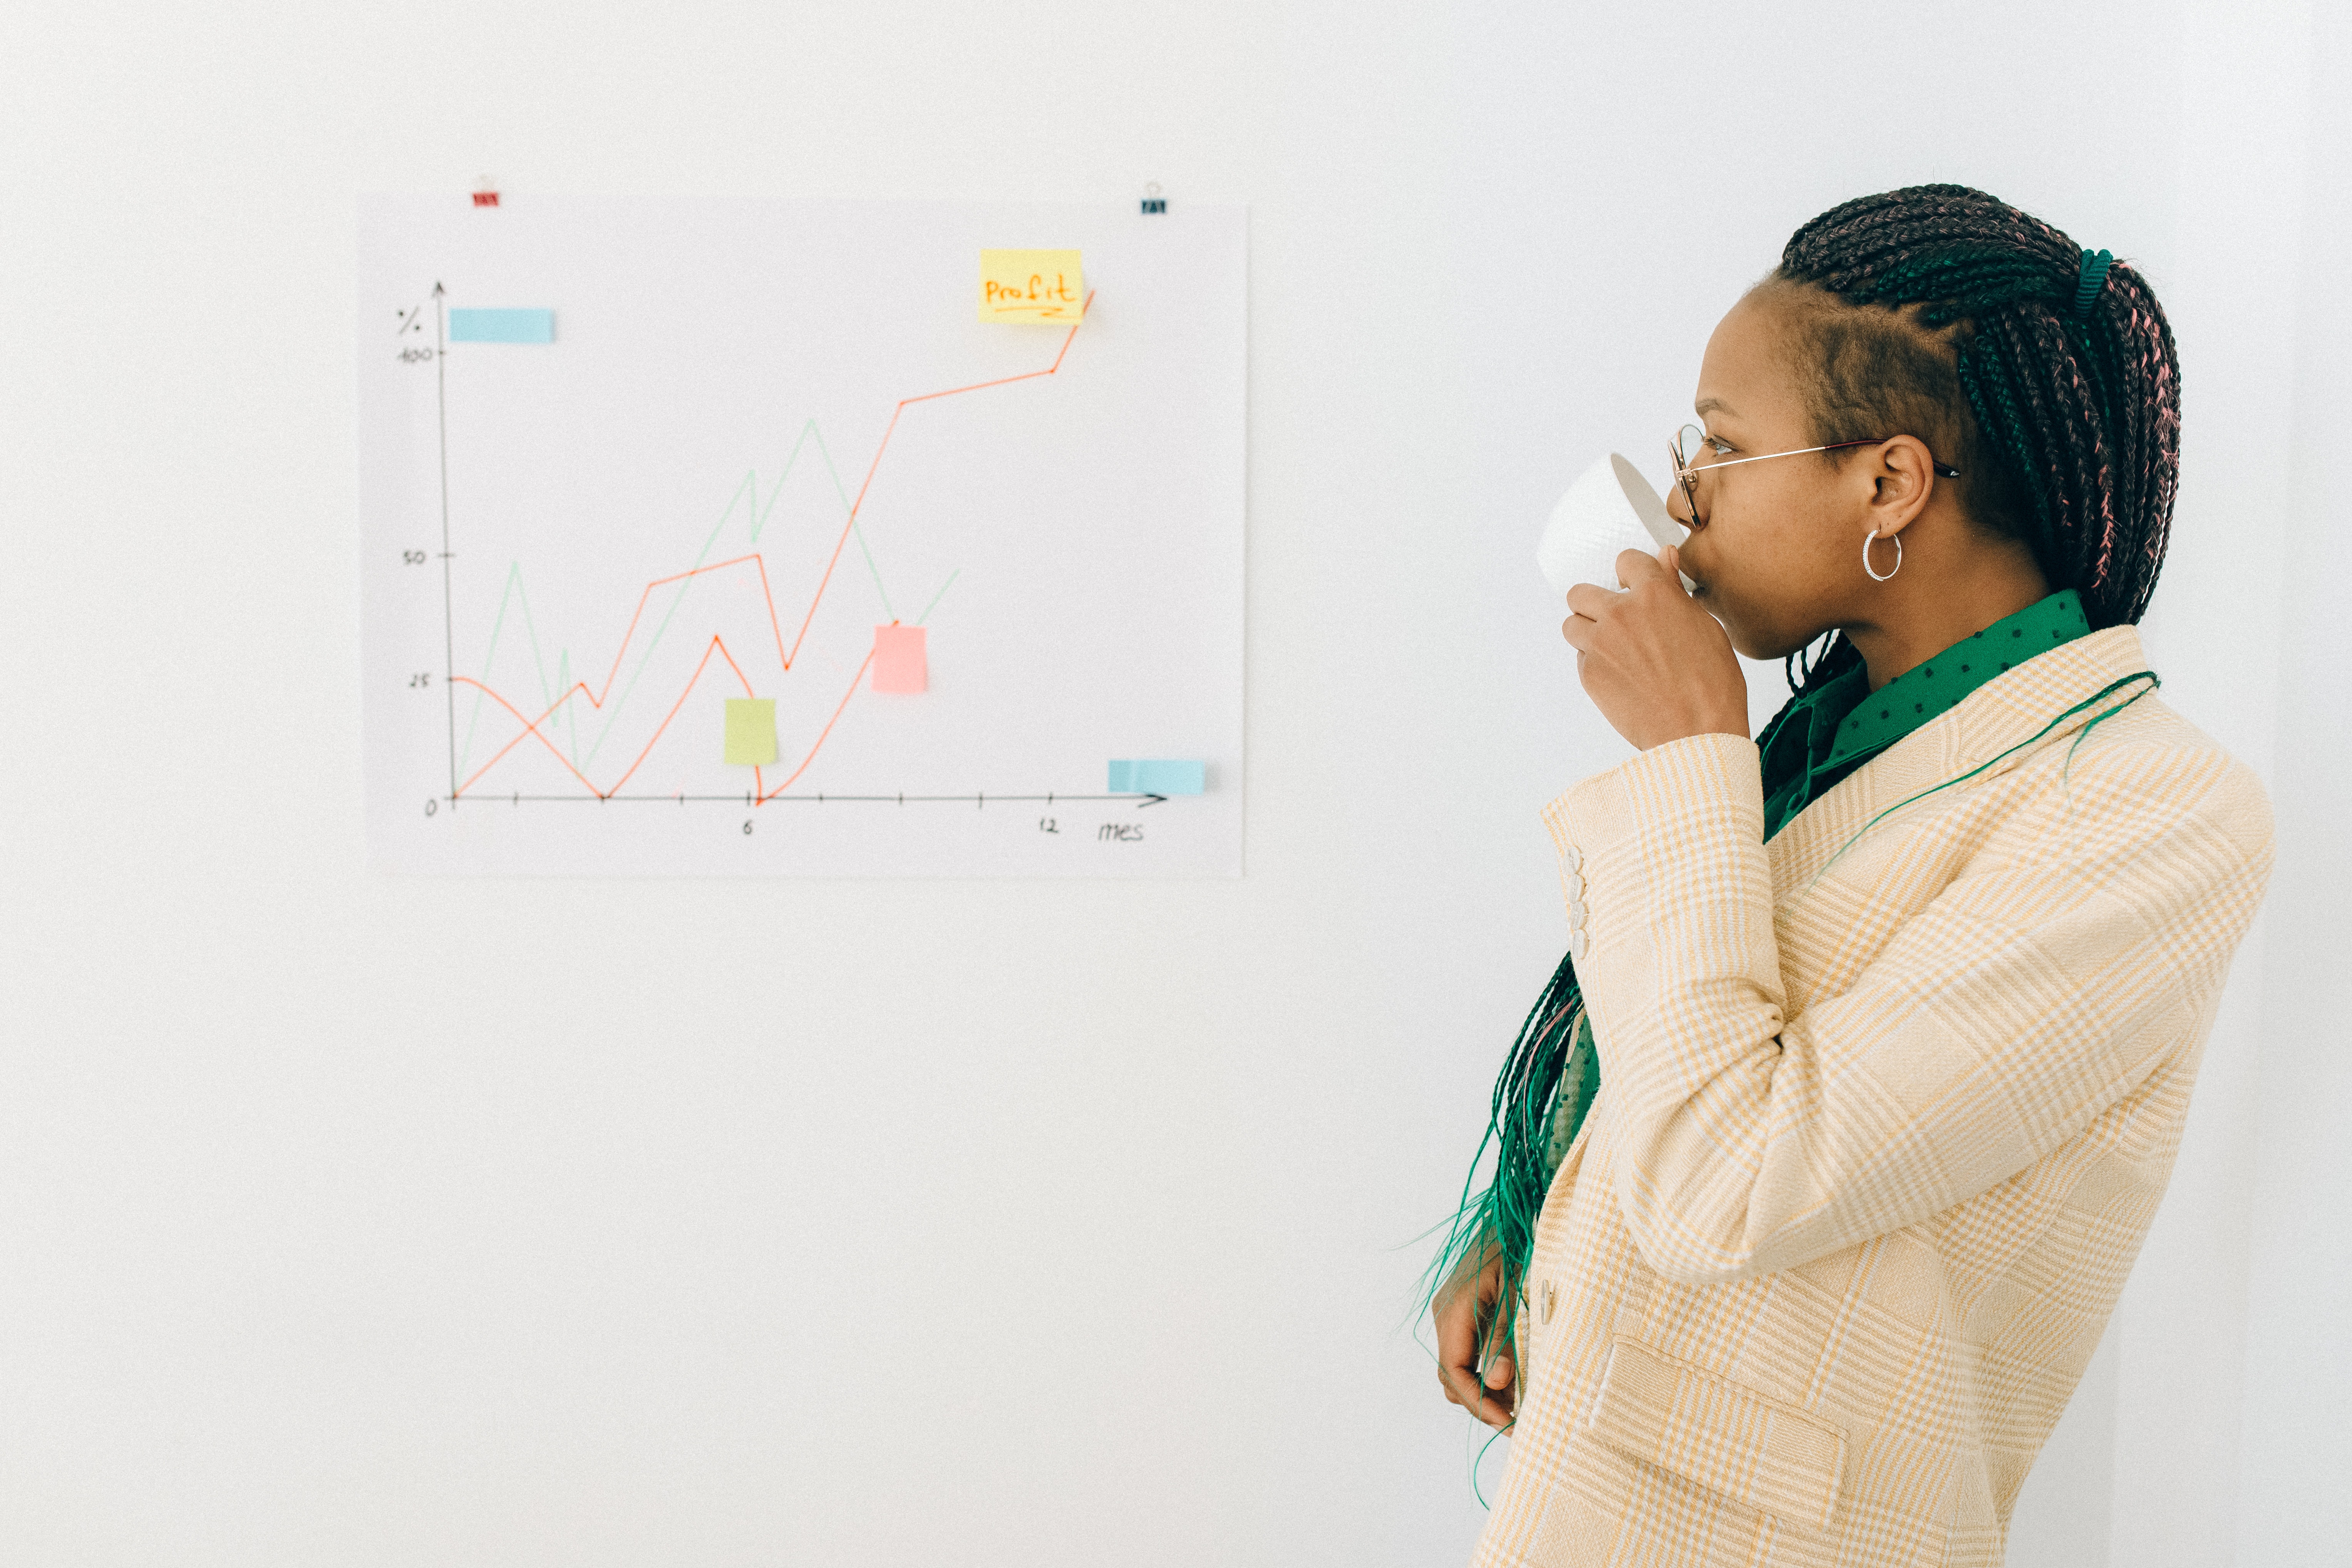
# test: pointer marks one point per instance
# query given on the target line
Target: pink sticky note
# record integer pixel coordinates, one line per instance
(899, 662)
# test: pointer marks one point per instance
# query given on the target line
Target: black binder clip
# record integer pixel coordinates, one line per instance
(1151, 200)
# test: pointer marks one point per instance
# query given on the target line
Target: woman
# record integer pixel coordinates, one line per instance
(1850, 1107)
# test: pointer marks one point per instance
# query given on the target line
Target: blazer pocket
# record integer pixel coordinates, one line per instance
(1720, 1434)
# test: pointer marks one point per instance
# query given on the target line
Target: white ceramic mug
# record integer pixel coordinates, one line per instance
(1611, 507)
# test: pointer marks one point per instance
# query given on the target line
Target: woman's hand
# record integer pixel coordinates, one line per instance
(1464, 1313)
(1658, 666)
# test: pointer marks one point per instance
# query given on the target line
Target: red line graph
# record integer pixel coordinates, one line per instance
(760, 793)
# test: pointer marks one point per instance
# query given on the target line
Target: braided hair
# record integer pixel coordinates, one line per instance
(1941, 311)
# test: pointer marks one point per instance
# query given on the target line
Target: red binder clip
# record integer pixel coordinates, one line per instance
(486, 192)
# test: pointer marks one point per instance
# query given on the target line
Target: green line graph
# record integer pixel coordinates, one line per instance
(515, 594)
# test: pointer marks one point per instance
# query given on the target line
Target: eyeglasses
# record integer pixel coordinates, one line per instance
(1691, 442)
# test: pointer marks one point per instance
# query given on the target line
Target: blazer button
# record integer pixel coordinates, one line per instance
(1577, 943)
(1572, 857)
(1575, 912)
(1574, 882)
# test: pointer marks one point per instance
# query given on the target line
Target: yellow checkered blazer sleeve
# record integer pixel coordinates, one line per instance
(2079, 940)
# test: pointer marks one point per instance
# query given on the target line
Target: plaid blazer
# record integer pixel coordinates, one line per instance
(1886, 1108)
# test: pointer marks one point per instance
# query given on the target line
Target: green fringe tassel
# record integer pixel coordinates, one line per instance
(1501, 1218)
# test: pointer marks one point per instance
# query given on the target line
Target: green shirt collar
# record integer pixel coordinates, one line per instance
(1841, 723)
(1879, 718)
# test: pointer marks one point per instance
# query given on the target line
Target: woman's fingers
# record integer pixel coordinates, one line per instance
(1463, 1387)
(1464, 1319)
(1587, 603)
(1591, 600)
(1636, 567)
(1457, 1346)
(1655, 662)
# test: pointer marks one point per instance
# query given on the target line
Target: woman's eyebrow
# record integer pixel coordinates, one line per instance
(1712, 406)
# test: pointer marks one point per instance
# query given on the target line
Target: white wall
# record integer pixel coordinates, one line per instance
(2296, 1448)
(2217, 633)
(349, 1220)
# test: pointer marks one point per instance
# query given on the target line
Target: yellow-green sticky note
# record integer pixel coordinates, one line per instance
(1033, 286)
(751, 731)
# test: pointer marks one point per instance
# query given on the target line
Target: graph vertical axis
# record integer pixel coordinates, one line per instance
(448, 613)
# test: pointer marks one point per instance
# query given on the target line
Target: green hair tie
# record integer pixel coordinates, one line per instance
(2090, 280)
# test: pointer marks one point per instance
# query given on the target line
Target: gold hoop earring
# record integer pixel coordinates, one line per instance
(1871, 538)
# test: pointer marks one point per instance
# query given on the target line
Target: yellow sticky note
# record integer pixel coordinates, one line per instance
(751, 731)
(1044, 286)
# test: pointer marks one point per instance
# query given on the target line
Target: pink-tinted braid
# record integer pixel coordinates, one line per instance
(2076, 422)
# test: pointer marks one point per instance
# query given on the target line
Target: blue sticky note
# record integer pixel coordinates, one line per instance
(501, 326)
(1158, 777)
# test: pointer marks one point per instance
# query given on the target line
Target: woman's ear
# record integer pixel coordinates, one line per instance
(1903, 478)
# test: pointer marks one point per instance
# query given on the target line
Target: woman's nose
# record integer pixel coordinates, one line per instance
(1678, 507)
